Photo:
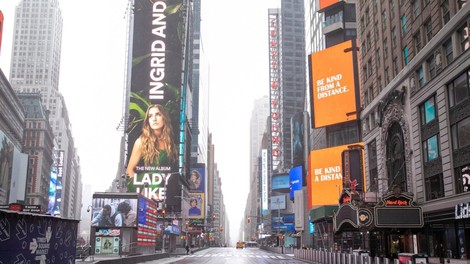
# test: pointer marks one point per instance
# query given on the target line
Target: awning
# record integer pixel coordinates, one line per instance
(326, 211)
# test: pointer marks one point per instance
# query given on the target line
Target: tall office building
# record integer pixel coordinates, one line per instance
(287, 59)
(35, 68)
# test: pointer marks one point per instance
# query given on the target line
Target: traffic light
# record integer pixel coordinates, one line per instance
(248, 219)
(213, 217)
(163, 212)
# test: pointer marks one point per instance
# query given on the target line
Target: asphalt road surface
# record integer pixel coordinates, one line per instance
(230, 255)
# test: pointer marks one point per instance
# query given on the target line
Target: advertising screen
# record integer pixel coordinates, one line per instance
(326, 3)
(332, 89)
(297, 134)
(6, 166)
(325, 181)
(295, 178)
(113, 211)
(280, 181)
(278, 202)
(154, 102)
(52, 191)
(196, 205)
(197, 177)
(147, 223)
(1, 29)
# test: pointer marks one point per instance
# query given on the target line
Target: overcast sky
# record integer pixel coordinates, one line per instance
(91, 80)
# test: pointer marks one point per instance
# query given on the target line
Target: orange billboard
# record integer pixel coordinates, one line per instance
(325, 180)
(327, 3)
(1, 28)
(332, 85)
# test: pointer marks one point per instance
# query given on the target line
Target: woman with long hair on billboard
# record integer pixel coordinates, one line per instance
(155, 146)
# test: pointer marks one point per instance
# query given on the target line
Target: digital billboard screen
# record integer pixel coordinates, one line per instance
(332, 85)
(325, 181)
(114, 211)
(296, 182)
(280, 182)
(197, 177)
(196, 205)
(155, 98)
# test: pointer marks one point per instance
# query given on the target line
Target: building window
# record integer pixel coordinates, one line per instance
(445, 11)
(395, 156)
(448, 51)
(369, 42)
(373, 172)
(458, 89)
(377, 58)
(431, 64)
(403, 24)
(406, 55)
(366, 98)
(385, 48)
(428, 111)
(392, 9)
(431, 149)
(417, 41)
(379, 84)
(395, 66)
(461, 134)
(387, 76)
(462, 179)
(384, 20)
(420, 77)
(369, 68)
(434, 187)
(416, 8)
(428, 29)
(463, 36)
(394, 38)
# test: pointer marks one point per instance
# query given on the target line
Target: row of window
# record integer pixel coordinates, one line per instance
(458, 93)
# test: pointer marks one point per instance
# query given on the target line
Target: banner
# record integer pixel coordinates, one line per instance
(154, 103)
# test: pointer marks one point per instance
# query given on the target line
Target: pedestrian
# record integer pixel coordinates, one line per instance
(187, 249)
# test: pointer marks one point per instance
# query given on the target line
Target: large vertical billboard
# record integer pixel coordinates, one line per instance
(332, 85)
(197, 177)
(7, 150)
(325, 182)
(196, 205)
(154, 102)
(264, 180)
(275, 90)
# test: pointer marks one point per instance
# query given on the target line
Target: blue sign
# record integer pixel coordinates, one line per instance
(295, 178)
(280, 181)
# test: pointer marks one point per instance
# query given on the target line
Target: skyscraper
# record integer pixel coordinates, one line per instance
(35, 68)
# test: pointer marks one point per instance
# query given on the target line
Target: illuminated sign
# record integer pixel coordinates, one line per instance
(332, 89)
(462, 210)
(275, 90)
(325, 181)
(326, 3)
(280, 181)
(295, 178)
(1, 29)
(155, 99)
(111, 210)
(264, 179)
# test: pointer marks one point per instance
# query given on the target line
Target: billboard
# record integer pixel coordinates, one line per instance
(264, 180)
(52, 192)
(196, 205)
(297, 138)
(154, 104)
(325, 177)
(326, 3)
(197, 177)
(114, 211)
(278, 202)
(296, 181)
(146, 223)
(7, 150)
(332, 85)
(275, 90)
(280, 182)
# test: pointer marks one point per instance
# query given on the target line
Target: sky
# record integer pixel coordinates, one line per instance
(235, 40)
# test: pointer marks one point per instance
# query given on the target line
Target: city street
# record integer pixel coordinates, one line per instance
(229, 255)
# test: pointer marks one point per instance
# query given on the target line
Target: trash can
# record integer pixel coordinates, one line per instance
(420, 259)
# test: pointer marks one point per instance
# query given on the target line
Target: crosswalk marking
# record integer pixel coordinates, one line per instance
(237, 255)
